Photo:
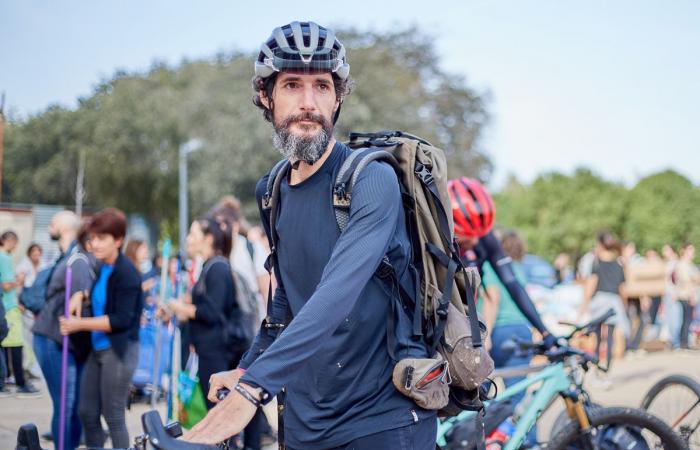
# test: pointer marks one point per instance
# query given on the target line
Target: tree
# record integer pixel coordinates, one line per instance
(560, 213)
(663, 210)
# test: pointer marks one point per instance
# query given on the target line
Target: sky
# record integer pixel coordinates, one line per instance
(612, 86)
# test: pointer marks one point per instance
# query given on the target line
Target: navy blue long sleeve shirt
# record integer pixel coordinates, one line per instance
(333, 356)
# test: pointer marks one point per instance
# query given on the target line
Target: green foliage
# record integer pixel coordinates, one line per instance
(664, 209)
(130, 128)
(559, 213)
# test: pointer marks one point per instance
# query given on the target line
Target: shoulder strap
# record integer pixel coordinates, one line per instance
(80, 256)
(347, 177)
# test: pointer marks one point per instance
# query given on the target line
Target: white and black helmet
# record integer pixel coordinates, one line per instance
(302, 47)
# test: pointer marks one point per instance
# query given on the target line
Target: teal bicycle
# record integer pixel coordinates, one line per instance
(589, 426)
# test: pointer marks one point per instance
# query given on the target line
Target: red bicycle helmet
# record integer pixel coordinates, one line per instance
(472, 207)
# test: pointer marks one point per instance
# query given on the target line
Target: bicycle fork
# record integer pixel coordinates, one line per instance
(577, 411)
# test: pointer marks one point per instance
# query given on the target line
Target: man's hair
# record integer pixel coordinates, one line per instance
(265, 86)
(68, 219)
(109, 221)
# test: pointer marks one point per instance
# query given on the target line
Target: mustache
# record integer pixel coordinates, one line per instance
(308, 117)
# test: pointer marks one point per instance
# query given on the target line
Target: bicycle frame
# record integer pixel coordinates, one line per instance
(554, 380)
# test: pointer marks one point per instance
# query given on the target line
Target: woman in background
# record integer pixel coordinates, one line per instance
(603, 291)
(116, 301)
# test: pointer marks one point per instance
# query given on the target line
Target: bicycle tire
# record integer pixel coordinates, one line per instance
(563, 418)
(636, 418)
(690, 435)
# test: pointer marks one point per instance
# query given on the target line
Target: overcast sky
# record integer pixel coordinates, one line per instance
(614, 86)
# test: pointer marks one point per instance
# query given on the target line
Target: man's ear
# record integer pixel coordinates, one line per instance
(264, 99)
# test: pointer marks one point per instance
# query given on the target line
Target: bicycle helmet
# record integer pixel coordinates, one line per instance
(302, 47)
(472, 207)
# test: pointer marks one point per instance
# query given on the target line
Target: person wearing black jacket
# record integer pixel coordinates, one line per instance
(115, 303)
(213, 297)
(214, 304)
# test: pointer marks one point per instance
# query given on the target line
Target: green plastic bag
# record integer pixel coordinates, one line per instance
(193, 407)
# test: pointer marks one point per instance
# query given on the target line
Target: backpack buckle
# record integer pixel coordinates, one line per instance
(341, 198)
(423, 173)
(385, 268)
(267, 201)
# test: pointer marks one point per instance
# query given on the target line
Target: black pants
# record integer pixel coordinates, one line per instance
(211, 364)
(417, 436)
(104, 389)
(610, 342)
(687, 319)
(637, 319)
(654, 309)
(13, 359)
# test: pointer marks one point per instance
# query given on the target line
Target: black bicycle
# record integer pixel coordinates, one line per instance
(156, 436)
(676, 400)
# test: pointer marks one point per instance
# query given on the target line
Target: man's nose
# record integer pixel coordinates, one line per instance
(308, 98)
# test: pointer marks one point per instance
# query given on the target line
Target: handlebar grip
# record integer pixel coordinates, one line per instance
(222, 393)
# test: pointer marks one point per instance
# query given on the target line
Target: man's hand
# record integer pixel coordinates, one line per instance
(221, 380)
(225, 420)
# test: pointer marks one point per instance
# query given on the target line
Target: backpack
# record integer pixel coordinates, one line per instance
(238, 326)
(34, 297)
(444, 311)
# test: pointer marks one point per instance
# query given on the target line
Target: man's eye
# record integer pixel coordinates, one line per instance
(291, 85)
(324, 86)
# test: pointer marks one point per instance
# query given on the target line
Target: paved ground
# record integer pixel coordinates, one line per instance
(631, 378)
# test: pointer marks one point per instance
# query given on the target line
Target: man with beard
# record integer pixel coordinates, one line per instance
(63, 228)
(333, 357)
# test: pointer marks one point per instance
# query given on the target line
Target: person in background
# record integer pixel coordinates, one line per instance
(652, 257)
(687, 280)
(30, 265)
(503, 317)
(14, 342)
(27, 270)
(213, 304)
(603, 291)
(137, 252)
(564, 270)
(672, 308)
(637, 306)
(4, 392)
(65, 228)
(116, 302)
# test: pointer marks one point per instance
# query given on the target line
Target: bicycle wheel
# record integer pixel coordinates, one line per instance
(618, 428)
(676, 401)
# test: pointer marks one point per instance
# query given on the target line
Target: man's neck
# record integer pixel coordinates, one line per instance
(305, 170)
(65, 241)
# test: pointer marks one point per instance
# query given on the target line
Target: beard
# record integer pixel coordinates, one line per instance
(54, 236)
(302, 148)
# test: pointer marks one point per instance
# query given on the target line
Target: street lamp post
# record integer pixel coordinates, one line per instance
(185, 149)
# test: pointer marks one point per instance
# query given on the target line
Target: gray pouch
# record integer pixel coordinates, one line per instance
(469, 366)
(425, 380)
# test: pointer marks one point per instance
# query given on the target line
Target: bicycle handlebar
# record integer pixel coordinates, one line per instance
(161, 440)
(559, 353)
